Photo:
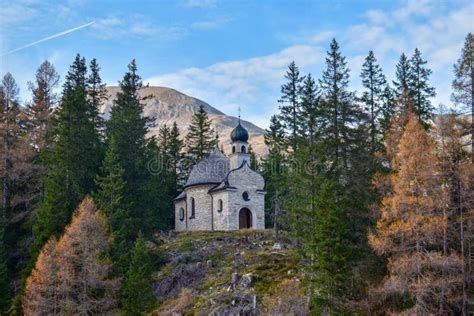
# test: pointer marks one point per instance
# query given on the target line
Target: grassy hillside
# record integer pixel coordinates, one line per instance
(223, 273)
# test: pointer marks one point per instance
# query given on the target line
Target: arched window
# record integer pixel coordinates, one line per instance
(193, 208)
(220, 205)
(181, 214)
(245, 196)
(233, 149)
(242, 149)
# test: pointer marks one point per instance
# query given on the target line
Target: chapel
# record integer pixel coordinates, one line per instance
(223, 193)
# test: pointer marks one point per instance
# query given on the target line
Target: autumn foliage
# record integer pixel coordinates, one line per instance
(71, 276)
(423, 275)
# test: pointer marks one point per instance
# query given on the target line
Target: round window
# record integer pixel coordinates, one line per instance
(245, 196)
(181, 214)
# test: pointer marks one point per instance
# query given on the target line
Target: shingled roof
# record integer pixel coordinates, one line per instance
(211, 169)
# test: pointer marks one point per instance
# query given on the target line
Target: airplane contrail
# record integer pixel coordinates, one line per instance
(48, 38)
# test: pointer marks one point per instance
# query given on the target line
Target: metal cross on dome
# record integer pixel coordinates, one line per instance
(239, 114)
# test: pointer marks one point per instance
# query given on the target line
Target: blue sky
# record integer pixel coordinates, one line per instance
(230, 53)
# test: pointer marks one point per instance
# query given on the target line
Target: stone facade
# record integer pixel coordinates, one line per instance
(222, 193)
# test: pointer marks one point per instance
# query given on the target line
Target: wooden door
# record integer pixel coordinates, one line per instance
(245, 218)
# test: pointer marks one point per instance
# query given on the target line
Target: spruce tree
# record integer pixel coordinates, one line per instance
(330, 253)
(388, 109)
(274, 168)
(97, 94)
(137, 294)
(200, 139)
(310, 108)
(75, 160)
(128, 127)
(109, 199)
(290, 108)
(403, 76)
(374, 82)
(175, 153)
(420, 88)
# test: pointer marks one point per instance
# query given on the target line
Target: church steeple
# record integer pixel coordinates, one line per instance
(239, 138)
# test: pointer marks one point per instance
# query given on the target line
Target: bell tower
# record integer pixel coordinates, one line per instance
(240, 146)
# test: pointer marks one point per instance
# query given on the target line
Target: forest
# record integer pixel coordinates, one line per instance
(373, 188)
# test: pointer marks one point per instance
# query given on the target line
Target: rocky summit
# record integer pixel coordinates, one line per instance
(166, 105)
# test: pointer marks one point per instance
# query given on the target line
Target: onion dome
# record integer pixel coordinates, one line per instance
(210, 170)
(239, 134)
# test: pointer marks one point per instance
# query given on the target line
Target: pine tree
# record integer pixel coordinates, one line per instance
(310, 108)
(200, 139)
(290, 108)
(410, 230)
(420, 88)
(403, 74)
(137, 295)
(374, 81)
(463, 83)
(75, 160)
(388, 109)
(97, 94)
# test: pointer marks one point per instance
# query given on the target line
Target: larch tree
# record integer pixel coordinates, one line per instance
(38, 114)
(290, 108)
(410, 231)
(44, 287)
(463, 83)
(421, 91)
(72, 276)
(85, 269)
(374, 83)
(200, 139)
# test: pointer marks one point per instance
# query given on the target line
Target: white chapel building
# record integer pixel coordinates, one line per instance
(223, 193)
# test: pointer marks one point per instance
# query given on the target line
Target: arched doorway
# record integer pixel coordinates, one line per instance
(245, 218)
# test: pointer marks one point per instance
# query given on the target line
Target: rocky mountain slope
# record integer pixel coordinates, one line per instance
(166, 105)
(228, 273)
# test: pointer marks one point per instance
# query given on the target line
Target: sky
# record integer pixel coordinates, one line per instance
(234, 53)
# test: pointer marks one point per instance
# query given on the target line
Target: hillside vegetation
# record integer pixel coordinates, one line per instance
(222, 273)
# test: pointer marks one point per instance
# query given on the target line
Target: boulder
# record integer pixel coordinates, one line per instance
(246, 280)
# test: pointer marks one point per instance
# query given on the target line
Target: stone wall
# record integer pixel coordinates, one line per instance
(180, 225)
(203, 217)
(221, 219)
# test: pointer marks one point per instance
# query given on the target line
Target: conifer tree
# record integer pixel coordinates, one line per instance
(128, 127)
(420, 88)
(200, 139)
(97, 94)
(38, 114)
(374, 82)
(402, 74)
(290, 108)
(463, 83)
(330, 254)
(4, 273)
(388, 109)
(109, 199)
(75, 160)
(137, 293)
(310, 108)
(175, 154)
(73, 276)
(274, 166)
(43, 293)
(253, 159)
(410, 231)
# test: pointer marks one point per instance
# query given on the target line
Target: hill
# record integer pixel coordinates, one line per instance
(227, 273)
(166, 105)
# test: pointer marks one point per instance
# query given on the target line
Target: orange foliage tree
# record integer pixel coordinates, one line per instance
(72, 275)
(423, 277)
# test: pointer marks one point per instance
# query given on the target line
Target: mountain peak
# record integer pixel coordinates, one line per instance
(166, 106)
